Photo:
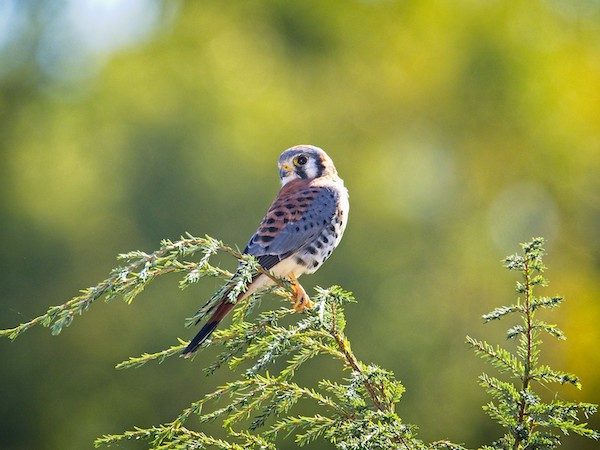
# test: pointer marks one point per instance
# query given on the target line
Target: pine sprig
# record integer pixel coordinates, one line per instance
(499, 357)
(164, 438)
(263, 395)
(529, 422)
(357, 412)
(138, 361)
(130, 280)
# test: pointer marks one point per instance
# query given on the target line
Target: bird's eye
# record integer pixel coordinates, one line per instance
(300, 160)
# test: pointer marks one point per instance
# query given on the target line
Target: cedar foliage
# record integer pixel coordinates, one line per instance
(530, 423)
(266, 349)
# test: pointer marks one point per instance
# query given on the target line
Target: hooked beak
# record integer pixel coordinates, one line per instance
(284, 170)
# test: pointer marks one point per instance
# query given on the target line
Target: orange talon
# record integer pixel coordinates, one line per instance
(300, 300)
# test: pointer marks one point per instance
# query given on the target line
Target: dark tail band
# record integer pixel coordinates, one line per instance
(208, 329)
(199, 339)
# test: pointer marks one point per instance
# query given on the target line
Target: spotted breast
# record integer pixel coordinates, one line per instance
(302, 227)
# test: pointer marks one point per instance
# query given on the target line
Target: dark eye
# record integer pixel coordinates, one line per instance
(301, 160)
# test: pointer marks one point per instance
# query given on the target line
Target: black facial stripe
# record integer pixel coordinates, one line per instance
(320, 166)
(301, 172)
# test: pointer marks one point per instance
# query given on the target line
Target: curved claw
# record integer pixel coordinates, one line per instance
(300, 300)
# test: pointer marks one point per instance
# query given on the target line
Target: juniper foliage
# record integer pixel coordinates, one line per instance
(266, 349)
(530, 423)
(255, 410)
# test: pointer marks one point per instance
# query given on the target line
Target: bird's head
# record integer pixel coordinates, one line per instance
(305, 162)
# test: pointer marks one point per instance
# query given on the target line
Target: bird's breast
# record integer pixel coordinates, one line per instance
(315, 253)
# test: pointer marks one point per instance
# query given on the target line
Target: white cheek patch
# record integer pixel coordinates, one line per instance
(311, 169)
(288, 178)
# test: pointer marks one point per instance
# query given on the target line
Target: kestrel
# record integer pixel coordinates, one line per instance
(303, 226)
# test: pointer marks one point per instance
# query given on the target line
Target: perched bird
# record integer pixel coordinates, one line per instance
(302, 227)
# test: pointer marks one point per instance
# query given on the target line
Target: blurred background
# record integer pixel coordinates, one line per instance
(461, 128)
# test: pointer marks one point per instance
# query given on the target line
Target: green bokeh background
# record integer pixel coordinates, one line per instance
(460, 127)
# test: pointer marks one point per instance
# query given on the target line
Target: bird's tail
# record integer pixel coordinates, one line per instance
(221, 311)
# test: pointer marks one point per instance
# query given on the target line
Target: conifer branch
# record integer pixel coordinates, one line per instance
(147, 357)
(530, 423)
(129, 281)
(267, 349)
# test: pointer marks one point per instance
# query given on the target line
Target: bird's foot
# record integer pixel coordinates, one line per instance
(300, 299)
